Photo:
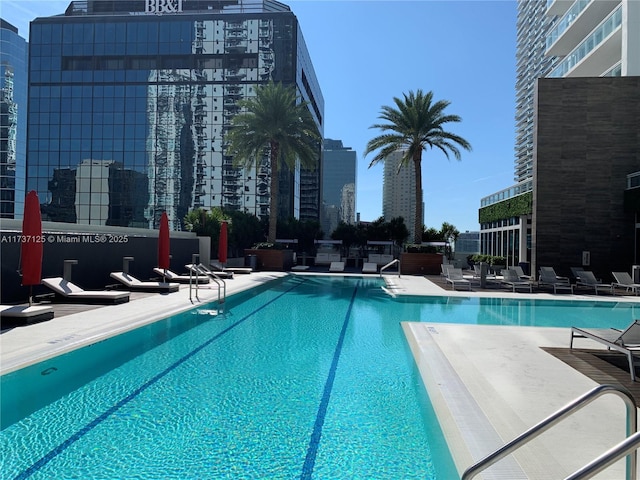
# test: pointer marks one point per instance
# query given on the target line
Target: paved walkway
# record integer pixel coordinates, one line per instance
(487, 383)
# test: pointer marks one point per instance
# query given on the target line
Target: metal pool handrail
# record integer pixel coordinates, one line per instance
(627, 447)
(391, 263)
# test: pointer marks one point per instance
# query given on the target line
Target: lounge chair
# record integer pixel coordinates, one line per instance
(174, 277)
(576, 271)
(477, 272)
(70, 291)
(200, 269)
(133, 283)
(587, 279)
(624, 280)
(216, 267)
(456, 278)
(510, 278)
(626, 342)
(336, 267)
(24, 313)
(520, 273)
(369, 267)
(445, 269)
(549, 278)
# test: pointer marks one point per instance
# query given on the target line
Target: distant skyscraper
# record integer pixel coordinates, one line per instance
(338, 185)
(398, 191)
(13, 120)
(150, 88)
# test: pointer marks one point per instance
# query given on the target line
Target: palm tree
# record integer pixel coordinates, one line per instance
(275, 120)
(417, 123)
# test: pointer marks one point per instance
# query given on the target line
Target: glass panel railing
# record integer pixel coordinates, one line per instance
(510, 192)
(616, 71)
(598, 36)
(566, 21)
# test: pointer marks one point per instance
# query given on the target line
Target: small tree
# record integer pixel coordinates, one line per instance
(415, 124)
(276, 122)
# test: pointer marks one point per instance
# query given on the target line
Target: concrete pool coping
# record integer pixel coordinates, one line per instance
(487, 384)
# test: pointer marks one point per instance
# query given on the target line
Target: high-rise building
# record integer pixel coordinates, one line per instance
(555, 39)
(13, 120)
(338, 185)
(132, 99)
(398, 191)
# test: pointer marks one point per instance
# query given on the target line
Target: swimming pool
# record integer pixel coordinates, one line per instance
(309, 376)
(303, 379)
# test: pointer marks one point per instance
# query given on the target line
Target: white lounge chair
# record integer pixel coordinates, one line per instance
(445, 267)
(200, 269)
(587, 279)
(369, 267)
(133, 283)
(70, 291)
(336, 267)
(174, 277)
(510, 277)
(24, 313)
(624, 280)
(549, 278)
(626, 341)
(216, 267)
(456, 278)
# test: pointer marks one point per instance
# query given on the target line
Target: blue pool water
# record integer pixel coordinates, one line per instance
(306, 378)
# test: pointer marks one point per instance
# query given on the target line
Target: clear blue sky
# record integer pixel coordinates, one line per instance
(367, 52)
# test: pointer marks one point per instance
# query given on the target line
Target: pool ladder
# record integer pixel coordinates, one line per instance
(194, 285)
(626, 448)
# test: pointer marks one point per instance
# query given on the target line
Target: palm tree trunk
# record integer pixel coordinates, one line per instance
(418, 225)
(273, 194)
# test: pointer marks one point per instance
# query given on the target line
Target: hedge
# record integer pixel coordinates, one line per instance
(511, 207)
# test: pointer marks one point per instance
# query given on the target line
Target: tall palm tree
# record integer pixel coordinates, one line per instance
(275, 120)
(416, 123)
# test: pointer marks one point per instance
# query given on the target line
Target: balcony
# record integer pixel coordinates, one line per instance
(578, 21)
(557, 7)
(598, 53)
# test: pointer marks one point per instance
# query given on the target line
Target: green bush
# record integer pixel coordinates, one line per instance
(415, 248)
(490, 259)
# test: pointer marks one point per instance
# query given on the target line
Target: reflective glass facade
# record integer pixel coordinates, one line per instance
(338, 186)
(128, 110)
(13, 120)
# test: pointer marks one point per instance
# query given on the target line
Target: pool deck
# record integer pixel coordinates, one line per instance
(487, 384)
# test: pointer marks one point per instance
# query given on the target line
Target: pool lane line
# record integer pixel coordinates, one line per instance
(110, 411)
(314, 443)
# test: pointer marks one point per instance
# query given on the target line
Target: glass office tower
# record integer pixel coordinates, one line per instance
(338, 186)
(13, 120)
(130, 102)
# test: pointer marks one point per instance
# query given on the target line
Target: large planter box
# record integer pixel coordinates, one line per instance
(279, 260)
(420, 263)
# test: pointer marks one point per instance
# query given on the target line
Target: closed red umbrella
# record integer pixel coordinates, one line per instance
(31, 243)
(222, 244)
(163, 242)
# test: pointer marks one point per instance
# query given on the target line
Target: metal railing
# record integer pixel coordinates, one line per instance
(627, 447)
(194, 281)
(390, 264)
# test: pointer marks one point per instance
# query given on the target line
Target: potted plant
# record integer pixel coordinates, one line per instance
(420, 260)
(271, 256)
